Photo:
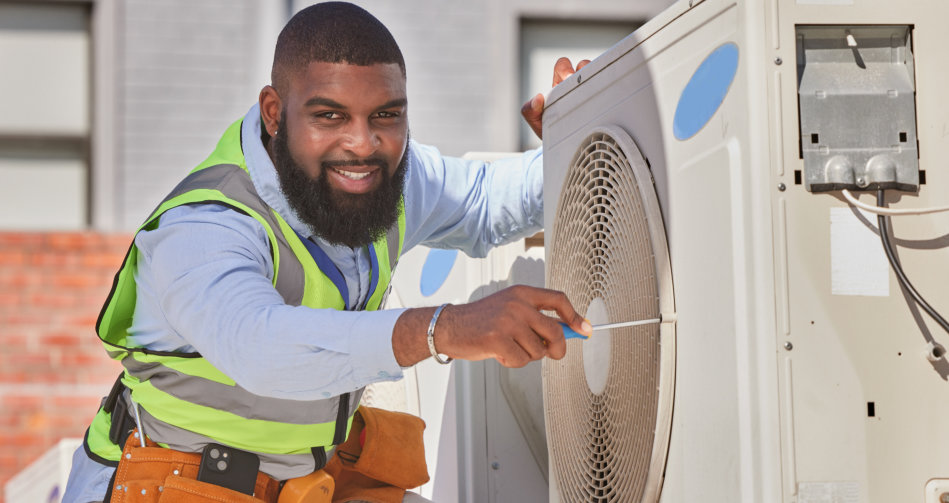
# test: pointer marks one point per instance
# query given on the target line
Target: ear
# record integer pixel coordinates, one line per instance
(270, 107)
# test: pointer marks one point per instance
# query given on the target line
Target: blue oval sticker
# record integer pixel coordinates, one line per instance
(435, 271)
(706, 90)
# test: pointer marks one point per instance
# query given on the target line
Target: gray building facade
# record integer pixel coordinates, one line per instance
(166, 77)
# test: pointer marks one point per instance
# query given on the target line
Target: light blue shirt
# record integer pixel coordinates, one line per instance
(204, 280)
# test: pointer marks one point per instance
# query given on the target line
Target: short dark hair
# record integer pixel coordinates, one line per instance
(332, 32)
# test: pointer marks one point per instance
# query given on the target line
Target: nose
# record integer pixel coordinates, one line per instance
(360, 139)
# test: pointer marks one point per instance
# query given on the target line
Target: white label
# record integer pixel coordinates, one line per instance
(825, 2)
(858, 264)
(828, 492)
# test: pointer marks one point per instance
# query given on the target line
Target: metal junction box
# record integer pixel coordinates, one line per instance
(857, 107)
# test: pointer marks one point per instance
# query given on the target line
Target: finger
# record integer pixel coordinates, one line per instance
(533, 112)
(583, 63)
(563, 68)
(549, 331)
(558, 301)
(531, 342)
(512, 355)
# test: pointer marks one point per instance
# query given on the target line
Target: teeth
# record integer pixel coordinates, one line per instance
(351, 175)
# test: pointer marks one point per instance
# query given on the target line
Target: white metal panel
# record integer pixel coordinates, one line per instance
(44, 480)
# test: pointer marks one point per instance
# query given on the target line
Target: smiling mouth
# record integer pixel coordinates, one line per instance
(351, 174)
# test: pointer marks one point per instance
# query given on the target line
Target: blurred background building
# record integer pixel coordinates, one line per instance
(106, 104)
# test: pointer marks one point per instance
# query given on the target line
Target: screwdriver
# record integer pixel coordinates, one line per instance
(569, 333)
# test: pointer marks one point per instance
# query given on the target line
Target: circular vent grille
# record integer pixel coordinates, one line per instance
(608, 403)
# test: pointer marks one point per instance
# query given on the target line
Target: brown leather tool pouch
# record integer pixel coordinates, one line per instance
(154, 474)
(391, 460)
(316, 487)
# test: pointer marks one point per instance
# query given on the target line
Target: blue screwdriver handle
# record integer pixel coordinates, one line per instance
(569, 333)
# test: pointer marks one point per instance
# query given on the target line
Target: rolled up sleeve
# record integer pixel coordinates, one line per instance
(472, 205)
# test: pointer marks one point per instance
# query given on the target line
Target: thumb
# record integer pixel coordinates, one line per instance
(533, 112)
(581, 323)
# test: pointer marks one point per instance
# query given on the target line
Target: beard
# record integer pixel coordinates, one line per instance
(338, 217)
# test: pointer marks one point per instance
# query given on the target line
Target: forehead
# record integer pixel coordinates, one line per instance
(347, 84)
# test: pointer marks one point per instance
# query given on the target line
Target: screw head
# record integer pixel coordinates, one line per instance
(861, 181)
(782, 187)
(495, 465)
(788, 346)
(778, 61)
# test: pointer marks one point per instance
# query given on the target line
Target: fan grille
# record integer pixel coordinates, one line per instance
(601, 444)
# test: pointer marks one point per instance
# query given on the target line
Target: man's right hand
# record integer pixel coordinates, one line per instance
(507, 326)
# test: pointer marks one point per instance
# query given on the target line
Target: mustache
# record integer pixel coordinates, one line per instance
(372, 161)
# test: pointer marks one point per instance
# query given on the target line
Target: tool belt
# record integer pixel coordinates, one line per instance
(154, 474)
(383, 456)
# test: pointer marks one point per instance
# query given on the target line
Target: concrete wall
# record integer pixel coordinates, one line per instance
(463, 64)
(184, 74)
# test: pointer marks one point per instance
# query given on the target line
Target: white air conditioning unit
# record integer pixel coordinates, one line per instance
(44, 480)
(484, 435)
(694, 172)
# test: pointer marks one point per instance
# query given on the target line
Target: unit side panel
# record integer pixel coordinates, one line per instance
(705, 186)
(860, 400)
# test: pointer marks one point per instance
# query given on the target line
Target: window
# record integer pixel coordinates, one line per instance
(45, 103)
(543, 41)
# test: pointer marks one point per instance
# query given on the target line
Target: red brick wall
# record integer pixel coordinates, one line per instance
(53, 370)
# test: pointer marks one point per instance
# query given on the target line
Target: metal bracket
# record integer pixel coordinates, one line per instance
(857, 97)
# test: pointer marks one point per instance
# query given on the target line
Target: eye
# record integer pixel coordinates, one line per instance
(389, 114)
(327, 115)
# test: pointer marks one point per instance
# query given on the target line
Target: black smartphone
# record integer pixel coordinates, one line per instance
(228, 467)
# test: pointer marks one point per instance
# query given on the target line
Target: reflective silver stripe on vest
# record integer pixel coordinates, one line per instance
(236, 184)
(392, 241)
(278, 466)
(236, 399)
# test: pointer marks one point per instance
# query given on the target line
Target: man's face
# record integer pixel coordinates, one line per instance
(341, 149)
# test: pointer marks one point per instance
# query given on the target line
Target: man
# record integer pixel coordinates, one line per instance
(247, 311)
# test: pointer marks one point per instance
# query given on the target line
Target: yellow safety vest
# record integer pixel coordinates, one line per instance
(186, 395)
